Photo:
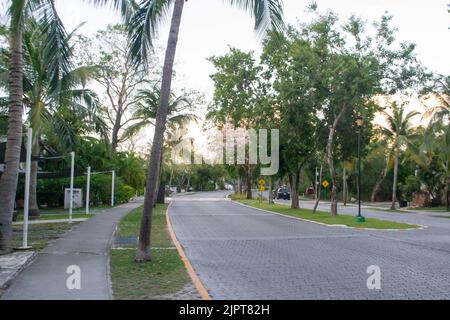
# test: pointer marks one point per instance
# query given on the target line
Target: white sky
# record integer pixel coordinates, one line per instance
(209, 26)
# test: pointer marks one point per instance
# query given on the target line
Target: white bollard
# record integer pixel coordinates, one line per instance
(26, 206)
(88, 188)
(112, 187)
(72, 173)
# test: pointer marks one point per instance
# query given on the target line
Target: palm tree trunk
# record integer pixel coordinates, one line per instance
(394, 185)
(8, 182)
(143, 253)
(377, 186)
(331, 163)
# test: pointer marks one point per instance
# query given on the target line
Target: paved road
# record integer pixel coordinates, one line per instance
(243, 253)
(86, 246)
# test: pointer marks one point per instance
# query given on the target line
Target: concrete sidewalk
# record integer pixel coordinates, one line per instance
(86, 246)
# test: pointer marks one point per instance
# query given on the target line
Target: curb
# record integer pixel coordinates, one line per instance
(16, 273)
(194, 277)
(420, 227)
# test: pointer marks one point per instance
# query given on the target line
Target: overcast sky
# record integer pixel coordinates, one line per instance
(209, 26)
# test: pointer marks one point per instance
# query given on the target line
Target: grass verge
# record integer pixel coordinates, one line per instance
(164, 275)
(40, 235)
(325, 217)
(431, 209)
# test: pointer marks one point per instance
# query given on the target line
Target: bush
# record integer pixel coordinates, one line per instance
(51, 191)
(411, 185)
(130, 192)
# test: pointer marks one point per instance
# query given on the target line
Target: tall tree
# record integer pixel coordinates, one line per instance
(398, 131)
(42, 98)
(143, 26)
(18, 12)
(239, 90)
(119, 77)
(291, 62)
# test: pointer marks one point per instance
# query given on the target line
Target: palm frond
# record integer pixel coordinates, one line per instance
(268, 14)
(144, 26)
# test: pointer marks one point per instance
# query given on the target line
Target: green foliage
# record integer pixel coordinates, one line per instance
(411, 185)
(50, 192)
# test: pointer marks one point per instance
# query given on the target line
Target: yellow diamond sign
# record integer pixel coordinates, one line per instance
(262, 182)
(325, 184)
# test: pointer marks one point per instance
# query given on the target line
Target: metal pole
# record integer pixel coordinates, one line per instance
(344, 187)
(359, 172)
(88, 189)
(72, 173)
(112, 187)
(26, 206)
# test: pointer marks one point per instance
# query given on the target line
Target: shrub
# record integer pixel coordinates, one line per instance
(51, 191)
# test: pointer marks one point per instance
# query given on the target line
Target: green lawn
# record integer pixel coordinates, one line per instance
(40, 235)
(164, 275)
(61, 213)
(59, 216)
(326, 218)
(432, 209)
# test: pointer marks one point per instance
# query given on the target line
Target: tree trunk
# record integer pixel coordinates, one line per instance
(319, 191)
(294, 182)
(143, 253)
(270, 191)
(333, 195)
(377, 186)
(344, 187)
(249, 183)
(394, 185)
(239, 185)
(115, 135)
(10, 176)
(34, 207)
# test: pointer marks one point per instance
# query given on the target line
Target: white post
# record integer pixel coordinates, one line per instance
(112, 187)
(88, 188)
(72, 173)
(26, 206)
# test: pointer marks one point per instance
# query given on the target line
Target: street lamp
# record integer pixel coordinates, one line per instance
(359, 123)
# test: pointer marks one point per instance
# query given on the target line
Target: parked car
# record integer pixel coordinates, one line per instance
(282, 193)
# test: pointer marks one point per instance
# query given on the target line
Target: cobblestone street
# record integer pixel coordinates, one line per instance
(244, 253)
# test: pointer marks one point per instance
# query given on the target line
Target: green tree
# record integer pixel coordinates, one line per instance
(43, 99)
(239, 90)
(18, 11)
(292, 64)
(398, 132)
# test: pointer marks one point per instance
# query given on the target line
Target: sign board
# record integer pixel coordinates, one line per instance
(325, 184)
(262, 188)
(262, 182)
(77, 198)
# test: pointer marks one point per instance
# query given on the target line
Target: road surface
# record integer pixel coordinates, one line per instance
(243, 253)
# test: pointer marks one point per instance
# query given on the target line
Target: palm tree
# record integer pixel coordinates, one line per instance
(143, 26)
(44, 99)
(18, 11)
(144, 113)
(398, 132)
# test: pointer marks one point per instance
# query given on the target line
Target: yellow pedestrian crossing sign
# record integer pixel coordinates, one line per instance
(325, 184)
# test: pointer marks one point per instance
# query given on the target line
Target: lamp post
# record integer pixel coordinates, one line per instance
(359, 123)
